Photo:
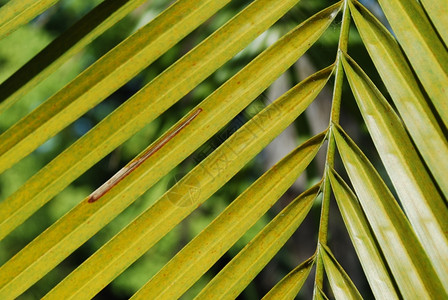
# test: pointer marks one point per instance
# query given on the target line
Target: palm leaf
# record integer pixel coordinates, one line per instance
(341, 285)
(104, 77)
(97, 21)
(404, 89)
(134, 114)
(423, 48)
(16, 13)
(363, 239)
(420, 198)
(436, 11)
(210, 174)
(203, 251)
(402, 249)
(78, 225)
(237, 274)
(413, 272)
(291, 284)
(320, 294)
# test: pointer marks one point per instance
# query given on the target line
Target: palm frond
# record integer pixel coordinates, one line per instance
(423, 48)
(65, 46)
(237, 274)
(206, 248)
(370, 255)
(404, 88)
(290, 285)
(16, 13)
(401, 242)
(341, 284)
(414, 273)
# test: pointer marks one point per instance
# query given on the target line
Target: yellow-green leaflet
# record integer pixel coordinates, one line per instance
(363, 239)
(437, 11)
(104, 77)
(176, 204)
(421, 200)
(290, 285)
(319, 294)
(240, 271)
(16, 13)
(341, 285)
(135, 113)
(229, 80)
(425, 51)
(97, 21)
(406, 94)
(87, 218)
(205, 249)
(413, 272)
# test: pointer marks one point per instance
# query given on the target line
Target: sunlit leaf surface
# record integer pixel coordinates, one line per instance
(201, 65)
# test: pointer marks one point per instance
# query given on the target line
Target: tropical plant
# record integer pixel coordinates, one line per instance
(399, 230)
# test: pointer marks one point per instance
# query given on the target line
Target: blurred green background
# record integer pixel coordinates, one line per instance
(26, 42)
